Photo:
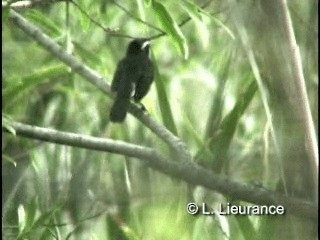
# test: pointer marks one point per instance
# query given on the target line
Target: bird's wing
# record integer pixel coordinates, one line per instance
(144, 82)
(117, 76)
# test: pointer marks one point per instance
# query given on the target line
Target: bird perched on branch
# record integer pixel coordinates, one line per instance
(133, 77)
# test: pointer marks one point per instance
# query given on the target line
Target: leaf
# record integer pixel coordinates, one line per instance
(129, 232)
(217, 101)
(43, 218)
(18, 86)
(84, 53)
(9, 160)
(246, 227)
(221, 144)
(31, 213)
(165, 108)
(195, 14)
(203, 150)
(84, 20)
(221, 24)
(6, 124)
(171, 28)
(5, 13)
(148, 3)
(141, 9)
(46, 23)
(21, 218)
(228, 30)
(8, 127)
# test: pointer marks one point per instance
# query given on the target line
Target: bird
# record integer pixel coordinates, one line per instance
(133, 78)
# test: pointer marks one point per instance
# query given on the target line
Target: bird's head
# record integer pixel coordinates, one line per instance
(137, 46)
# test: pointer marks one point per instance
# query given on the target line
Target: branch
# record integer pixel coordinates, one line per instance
(187, 171)
(20, 4)
(304, 107)
(93, 77)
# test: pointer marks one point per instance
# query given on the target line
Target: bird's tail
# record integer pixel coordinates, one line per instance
(119, 109)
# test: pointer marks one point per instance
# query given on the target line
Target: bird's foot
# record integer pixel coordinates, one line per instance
(142, 107)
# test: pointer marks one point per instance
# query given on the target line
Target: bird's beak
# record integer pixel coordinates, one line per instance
(145, 44)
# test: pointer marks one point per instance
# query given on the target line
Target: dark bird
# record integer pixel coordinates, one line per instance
(133, 77)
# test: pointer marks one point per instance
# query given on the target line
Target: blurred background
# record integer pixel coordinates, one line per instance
(206, 92)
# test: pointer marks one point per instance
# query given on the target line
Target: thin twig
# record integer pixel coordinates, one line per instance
(116, 34)
(138, 19)
(109, 31)
(76, 222)
(183, 22)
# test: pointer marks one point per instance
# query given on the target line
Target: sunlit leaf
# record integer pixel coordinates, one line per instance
(221, 24)
(195, 14)
(19, 85)
(220, 144)
(8, 127)
(31, 213)
(218, 99)
(87, 54)
(42, 20)
(21, 218)
(84, 20)
(148, 2)
(171, 28)
(130, 233)
(246, 227)
(9, 160)
(5, 13)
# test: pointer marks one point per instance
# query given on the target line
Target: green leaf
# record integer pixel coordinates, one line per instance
(42, 219)
(165, 108)
(148, 3)
(6, 124)
(221, 143)
(171, 28)
(46, 23)
(9, 160)
(221, 24)
(192, 9)
(31, 213)
(215, 115)
(203, 150)
(8, 127)
(129, 232)
(246, 227)
(5, 13)
(20, 85)
(21, 218)
(195, 14)
(84, 53)
(84, 20)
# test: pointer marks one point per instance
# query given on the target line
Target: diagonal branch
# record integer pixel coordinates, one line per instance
(93, 77)
(187, 171)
